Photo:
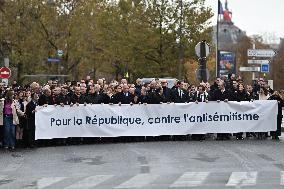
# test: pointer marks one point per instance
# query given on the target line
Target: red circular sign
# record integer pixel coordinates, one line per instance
(5, 72)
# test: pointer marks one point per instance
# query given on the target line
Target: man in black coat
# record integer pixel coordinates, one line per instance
(125, 97)
(29, 130)
(77, 97)
(200, 96)
(222, 94)
(94, 96)
(45, 98)
(251, 94)
(155, 93)
(63, 98)
(166, 91)
(56, 96)
(179, 94)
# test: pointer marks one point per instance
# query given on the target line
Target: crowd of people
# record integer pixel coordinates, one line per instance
(19, 103)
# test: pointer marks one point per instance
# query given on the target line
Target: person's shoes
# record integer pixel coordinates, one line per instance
(12, 149)
(275, 137)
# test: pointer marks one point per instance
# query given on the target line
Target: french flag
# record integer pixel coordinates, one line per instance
(220, 7)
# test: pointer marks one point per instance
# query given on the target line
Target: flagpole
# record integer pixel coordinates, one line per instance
(217, 40)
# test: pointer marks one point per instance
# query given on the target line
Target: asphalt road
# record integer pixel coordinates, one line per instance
(150, 165)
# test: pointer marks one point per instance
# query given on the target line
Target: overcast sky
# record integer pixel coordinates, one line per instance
(264, 17)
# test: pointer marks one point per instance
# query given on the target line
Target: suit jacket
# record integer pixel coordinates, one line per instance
(167, 94)
(200, 97)
(242, 96)
(124, 98)
(105, 98)
(43, 99)
(78, 99)
(94, 98)
(153, 97)
(179, 95)
(219, 95)
(62, 99)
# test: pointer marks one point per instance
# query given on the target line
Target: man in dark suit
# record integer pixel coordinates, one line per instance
(94, 96)
(155, 93)
(125, 97)
(56, 97)
(179, 94)
(77, 97)
(29, 130)
(222, 94)
(45, 98)
(64, 97)
(166, 90)
(200, 96)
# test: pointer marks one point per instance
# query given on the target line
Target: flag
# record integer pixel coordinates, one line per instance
(220, 7)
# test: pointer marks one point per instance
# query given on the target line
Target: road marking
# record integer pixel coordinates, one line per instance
(44, 182)
(242, 179)
(138, 181)
(190, 179)
(282, 178)
(90, 182)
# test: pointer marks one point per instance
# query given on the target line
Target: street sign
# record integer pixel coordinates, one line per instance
(264, 68)
(250, 69)
(259, 62)
(53, 60)
(262, 52)
(60, 53)
(198, 49)
(5, 73)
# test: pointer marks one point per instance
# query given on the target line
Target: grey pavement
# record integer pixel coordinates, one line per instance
(149, 165)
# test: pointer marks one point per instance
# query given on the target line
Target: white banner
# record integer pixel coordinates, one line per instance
(103, 120)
